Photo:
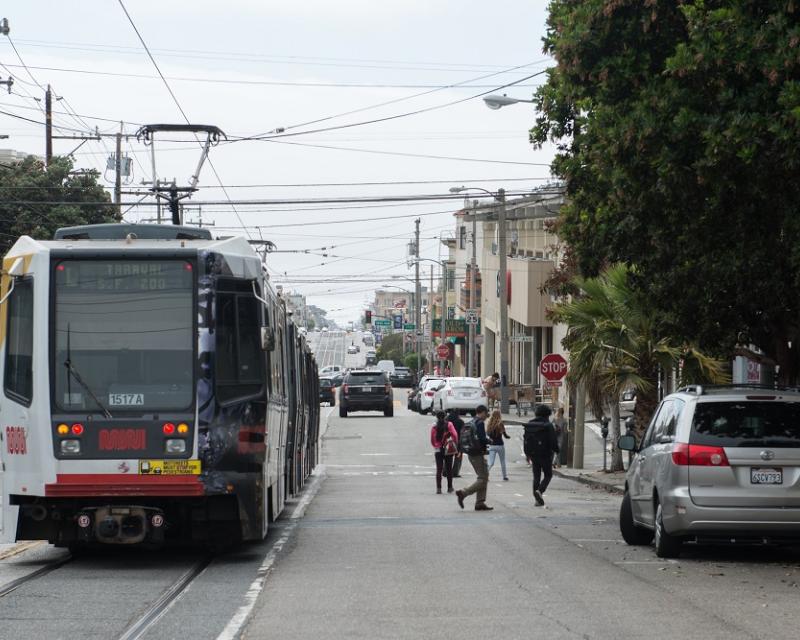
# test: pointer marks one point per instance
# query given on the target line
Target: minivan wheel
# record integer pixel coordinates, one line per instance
(631, 533)
(667, 546)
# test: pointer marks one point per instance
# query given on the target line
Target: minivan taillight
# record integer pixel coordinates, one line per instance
(344, 389)
(698, 455)
(429, 394)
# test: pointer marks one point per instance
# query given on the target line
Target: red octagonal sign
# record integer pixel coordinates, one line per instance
(553, 367)
(443, 351)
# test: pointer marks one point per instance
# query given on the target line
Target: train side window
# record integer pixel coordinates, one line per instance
(18, 375)
(239, 359)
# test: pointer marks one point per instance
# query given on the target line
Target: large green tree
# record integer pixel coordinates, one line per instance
(677, 125)
(36, 201)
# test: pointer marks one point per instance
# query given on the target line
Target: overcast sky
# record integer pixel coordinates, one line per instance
(251, 66)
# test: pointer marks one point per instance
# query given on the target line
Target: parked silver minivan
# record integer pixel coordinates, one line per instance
(716, 464)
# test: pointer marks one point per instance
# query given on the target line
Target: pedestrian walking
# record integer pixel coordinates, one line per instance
(562, 435)
(444, 440)
(490, 386)
(473, 443)
(496, 431)
(458, 423)
(540, 444)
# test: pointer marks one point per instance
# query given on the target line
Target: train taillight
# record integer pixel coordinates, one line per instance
(77, 429)
(168, 428)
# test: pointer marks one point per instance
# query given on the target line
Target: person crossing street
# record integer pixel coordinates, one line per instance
(474, 443)
(540, 444)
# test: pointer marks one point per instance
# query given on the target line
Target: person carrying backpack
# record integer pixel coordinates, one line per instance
(458, 423)
(473, 443)
(444, 439)
(540, 444)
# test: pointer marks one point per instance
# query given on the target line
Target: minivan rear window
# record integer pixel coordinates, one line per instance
(746, 424)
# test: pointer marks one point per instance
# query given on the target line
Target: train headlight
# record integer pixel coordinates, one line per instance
(175, 445)
(71, 446)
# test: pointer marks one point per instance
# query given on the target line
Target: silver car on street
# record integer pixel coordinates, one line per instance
(716, 464)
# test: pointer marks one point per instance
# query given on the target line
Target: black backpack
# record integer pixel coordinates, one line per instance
(468, 440)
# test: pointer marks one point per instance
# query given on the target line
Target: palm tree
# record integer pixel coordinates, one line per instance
(618, 341)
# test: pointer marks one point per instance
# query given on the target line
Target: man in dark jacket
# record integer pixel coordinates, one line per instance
(540, 445)
(458, 423)
(477, 458)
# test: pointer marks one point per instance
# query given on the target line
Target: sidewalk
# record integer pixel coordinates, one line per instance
(592, 474)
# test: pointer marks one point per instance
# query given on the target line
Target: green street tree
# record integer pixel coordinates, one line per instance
(391, 348)
(411, 361)
(676, 125)
(617, 341)
(36, 202)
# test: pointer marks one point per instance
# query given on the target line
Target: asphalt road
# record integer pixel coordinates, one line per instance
(372, 552)
(330, 348)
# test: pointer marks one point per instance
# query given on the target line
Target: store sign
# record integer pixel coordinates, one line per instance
(454, 328)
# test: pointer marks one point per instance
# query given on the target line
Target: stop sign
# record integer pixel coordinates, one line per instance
(443, 351)
(553, 367)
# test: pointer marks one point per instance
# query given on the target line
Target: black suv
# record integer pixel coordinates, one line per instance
(327, 390)
(366, 391)
(402, 377)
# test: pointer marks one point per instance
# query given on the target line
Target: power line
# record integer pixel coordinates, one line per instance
(22, 62)
(183, 113)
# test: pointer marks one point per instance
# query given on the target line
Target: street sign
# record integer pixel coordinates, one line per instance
(553, 367)
(443, 351)
(409, 326)
(520, 339)
(427, 331)
(380, 322)
(472, 316)
(398, 322)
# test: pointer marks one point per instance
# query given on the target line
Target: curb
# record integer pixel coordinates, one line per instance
(596, 484)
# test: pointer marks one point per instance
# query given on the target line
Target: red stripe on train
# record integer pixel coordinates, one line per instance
(111, 484)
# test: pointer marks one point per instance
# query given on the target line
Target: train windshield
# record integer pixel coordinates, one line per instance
(123, 335)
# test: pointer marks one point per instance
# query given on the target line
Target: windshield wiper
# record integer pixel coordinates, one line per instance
(74, 373)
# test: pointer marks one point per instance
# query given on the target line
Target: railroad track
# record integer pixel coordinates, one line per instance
(170, 596)
(41, 571)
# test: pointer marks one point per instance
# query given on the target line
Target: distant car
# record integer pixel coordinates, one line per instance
(334, 368)
(402, 377)
(427, 393)
(462, 394)
(352, 349)
(628, 401)
(717, 463)
(327, 391)
(364, 390)
(371, 360)
(386, 365)
(324, 329)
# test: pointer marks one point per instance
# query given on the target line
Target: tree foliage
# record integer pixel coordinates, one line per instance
(617, 341)
(391, 348)
(676, 124)
(36, 201)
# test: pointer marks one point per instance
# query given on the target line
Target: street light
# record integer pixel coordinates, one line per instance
(443, 265)
(500, 196)
(497, 102)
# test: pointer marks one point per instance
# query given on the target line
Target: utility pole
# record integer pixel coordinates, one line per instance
(118, 176)
(580, 427)
(443, 333)
(502, 275)
(48, 126)
(417, 299)
(472, 285)
(432, 315)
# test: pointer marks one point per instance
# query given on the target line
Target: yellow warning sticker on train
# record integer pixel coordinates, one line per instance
(169, 467)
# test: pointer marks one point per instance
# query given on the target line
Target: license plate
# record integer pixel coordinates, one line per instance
(366, 389)
(169, 467)
(766, 476)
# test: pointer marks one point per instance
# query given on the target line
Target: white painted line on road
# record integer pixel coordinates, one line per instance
(237, 622)
(659, 562)
(519, 495)
(376, 454)
(595, 540)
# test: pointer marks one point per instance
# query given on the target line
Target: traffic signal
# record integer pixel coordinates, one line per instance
(368, 316)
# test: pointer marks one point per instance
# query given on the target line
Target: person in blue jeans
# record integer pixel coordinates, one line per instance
(496, 431)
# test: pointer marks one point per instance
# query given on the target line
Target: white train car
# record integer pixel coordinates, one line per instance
(153, 389)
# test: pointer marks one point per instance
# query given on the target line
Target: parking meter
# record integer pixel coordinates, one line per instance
(604, 432)
(630, 425)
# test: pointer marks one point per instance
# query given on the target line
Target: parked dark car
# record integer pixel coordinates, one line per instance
(366, 390)
(327, 391)
(402, 377)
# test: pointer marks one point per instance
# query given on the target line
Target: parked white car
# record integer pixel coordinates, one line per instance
(462, 394)
(426, 395)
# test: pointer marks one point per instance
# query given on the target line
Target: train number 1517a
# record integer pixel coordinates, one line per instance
(126, 399)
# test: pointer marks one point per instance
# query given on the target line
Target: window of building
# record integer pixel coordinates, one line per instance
(451, 279)
(239, 359)
(462, 237)
(19, 343)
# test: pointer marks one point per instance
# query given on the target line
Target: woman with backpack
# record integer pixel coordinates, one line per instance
(444, 440)
(496, 431)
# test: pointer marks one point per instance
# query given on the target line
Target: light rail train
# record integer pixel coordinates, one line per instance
(155, 388)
